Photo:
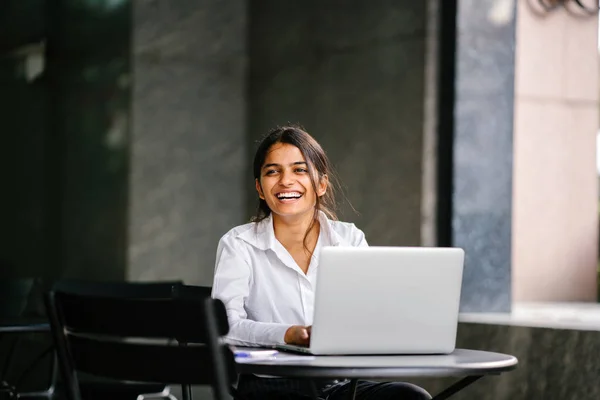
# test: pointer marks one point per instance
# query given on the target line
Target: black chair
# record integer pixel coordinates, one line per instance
(19, 311)
(141, 333)
(14, 294)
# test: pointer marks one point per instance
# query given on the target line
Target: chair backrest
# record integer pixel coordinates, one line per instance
(14, 296)
(134, 332)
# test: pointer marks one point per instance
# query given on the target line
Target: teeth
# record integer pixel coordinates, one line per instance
(291, 195)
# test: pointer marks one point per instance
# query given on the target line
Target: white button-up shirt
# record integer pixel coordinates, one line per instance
(263, 288)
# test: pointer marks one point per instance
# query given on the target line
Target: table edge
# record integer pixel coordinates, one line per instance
(310, 371)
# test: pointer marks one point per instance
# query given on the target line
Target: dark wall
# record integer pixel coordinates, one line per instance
(65, 110)
(23, 116)
(89, 71)
(554, 363)
(23, 110)
(22, 22)
(188, 139)
(352, 73)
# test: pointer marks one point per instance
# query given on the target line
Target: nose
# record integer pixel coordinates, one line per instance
(287, 178)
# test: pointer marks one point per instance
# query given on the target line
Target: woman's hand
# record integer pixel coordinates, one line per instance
(298, 335)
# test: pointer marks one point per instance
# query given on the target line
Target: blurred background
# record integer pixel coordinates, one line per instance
(128, 130)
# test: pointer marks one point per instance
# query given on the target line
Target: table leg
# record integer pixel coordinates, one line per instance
(457, 387)
(186, 392)
(313, 389)
(352, 392)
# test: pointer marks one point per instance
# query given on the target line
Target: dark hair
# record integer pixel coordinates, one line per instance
(316, 160)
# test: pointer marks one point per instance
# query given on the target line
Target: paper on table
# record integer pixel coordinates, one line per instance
(278, 358)
(254, 354)
(293, 357)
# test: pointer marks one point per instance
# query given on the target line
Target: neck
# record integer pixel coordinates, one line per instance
(290, 232)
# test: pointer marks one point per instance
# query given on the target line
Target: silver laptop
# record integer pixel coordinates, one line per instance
(386, 300)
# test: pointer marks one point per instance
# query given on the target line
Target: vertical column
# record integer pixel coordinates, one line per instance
(483, 147)
(188, 142)
(556, 183)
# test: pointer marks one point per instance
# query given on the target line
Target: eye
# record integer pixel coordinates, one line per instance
(301, 170)
(271, 172)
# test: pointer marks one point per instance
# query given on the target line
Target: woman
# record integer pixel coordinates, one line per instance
(266, 270)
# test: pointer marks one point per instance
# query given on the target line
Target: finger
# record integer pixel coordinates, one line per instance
(304, 341)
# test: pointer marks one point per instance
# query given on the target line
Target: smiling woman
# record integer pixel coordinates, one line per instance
(295, 181)
(285, 184)
(266, 270)
(293, 145)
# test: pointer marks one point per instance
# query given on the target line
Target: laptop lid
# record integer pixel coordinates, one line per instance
(387, 300)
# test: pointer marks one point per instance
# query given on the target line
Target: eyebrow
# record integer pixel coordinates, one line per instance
(278, 165)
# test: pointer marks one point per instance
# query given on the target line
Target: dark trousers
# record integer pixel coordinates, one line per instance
(251, 387)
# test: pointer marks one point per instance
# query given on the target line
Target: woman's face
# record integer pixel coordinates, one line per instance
(285, 182)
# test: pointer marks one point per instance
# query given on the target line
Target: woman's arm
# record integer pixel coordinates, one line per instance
(232, 286)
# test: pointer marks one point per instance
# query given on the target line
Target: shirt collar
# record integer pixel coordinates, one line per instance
(262, 234)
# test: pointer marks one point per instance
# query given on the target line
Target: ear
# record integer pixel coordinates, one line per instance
(259, 189)
(323, 184)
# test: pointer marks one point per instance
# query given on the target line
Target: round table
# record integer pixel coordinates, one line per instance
(471, 364)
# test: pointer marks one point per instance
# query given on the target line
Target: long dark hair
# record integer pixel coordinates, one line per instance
(316, 160)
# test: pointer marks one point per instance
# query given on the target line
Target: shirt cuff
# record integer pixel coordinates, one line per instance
(277, 334)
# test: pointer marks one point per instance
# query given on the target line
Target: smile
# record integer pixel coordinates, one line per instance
(289, 196)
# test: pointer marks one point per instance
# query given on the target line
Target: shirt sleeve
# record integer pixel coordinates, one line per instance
(359, 238)
(231, 285)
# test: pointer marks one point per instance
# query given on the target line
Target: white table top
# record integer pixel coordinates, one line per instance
(459, 363)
